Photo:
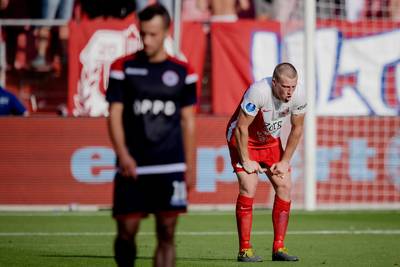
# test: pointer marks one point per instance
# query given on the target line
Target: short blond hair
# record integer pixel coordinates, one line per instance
(284, 69)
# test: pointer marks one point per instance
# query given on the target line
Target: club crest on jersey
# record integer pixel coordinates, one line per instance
(170, 78)
(250, 107)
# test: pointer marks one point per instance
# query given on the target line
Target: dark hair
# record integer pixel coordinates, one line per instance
(155, 10)
(286, 69)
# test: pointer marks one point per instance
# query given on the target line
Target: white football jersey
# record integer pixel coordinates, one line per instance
(270, 112)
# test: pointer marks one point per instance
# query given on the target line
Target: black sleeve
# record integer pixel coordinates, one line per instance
(116, 82)
(189, 95)
(114, 91)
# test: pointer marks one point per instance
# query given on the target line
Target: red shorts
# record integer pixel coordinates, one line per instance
(264, 156)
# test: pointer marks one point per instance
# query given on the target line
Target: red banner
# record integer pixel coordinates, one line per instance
(357, 64)
(352, 79)
(231, 46)
(35, 161)
(49, 161)
(95, 44)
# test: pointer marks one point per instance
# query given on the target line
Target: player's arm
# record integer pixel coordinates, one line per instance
(127, 165)
(297, 121)
(282, 167)
(202, 5)
(188, 125)
(244, 4)
(242, 138)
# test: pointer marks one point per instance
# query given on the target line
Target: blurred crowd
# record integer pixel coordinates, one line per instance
(46, 55)
(43, 48)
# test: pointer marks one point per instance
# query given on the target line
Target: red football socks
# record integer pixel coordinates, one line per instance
(280, 219)
(244, 220)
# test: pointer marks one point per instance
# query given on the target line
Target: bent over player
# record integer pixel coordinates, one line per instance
(253, 135)
(151, 126)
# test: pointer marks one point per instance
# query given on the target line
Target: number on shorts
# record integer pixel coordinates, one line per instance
(179, 196)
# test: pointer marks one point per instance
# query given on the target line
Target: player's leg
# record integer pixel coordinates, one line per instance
(165, 251)
(124, 245)
(281, 207)
(168, 198)
(244, 207)
(280, 215)
(128, 210)
(244, 214)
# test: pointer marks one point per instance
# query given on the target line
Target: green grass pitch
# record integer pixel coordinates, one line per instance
(350, 238)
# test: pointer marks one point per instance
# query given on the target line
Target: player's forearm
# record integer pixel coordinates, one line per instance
(189, 130)
(292, 142)
(117, 135)
(202, 5)
(244, 4)
(242, 137)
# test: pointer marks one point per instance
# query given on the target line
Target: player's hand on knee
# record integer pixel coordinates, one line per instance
(251, 166)
(127, 166)
(281, 168)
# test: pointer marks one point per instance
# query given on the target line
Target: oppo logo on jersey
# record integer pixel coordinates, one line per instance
(155, 107)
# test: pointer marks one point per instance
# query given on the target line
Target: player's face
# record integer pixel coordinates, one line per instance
(284, 88)
(153, 33)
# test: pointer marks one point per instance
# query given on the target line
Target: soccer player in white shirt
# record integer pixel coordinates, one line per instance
(253, 136)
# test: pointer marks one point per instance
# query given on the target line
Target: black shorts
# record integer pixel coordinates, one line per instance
(158, 193)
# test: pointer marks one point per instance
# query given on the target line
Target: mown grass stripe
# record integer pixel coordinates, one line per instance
(216, 233)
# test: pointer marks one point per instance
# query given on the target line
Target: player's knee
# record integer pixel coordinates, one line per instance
(125, 235)
(247, 192)
(165, 235)
(284, 187)
(126, 231)
(248, 188)
(165, 244)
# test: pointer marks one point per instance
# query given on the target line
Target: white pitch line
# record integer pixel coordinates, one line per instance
(216, 233)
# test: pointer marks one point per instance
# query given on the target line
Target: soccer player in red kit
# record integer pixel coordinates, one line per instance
(253, 136)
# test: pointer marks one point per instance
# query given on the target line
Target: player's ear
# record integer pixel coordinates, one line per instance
(166, 34)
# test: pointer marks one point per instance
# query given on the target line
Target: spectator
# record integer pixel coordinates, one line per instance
(106, 8)
(192, 12)
(285, 10)
(263, 9)
(10, 105)
(354, 9)
(17, 38)
(168, 4)
(53, 9)
(377, 9)
(224, 10)
(330, 9)
(394, 10)
(369, 9)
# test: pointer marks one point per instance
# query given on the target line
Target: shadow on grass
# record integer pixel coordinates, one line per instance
(139, 257)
